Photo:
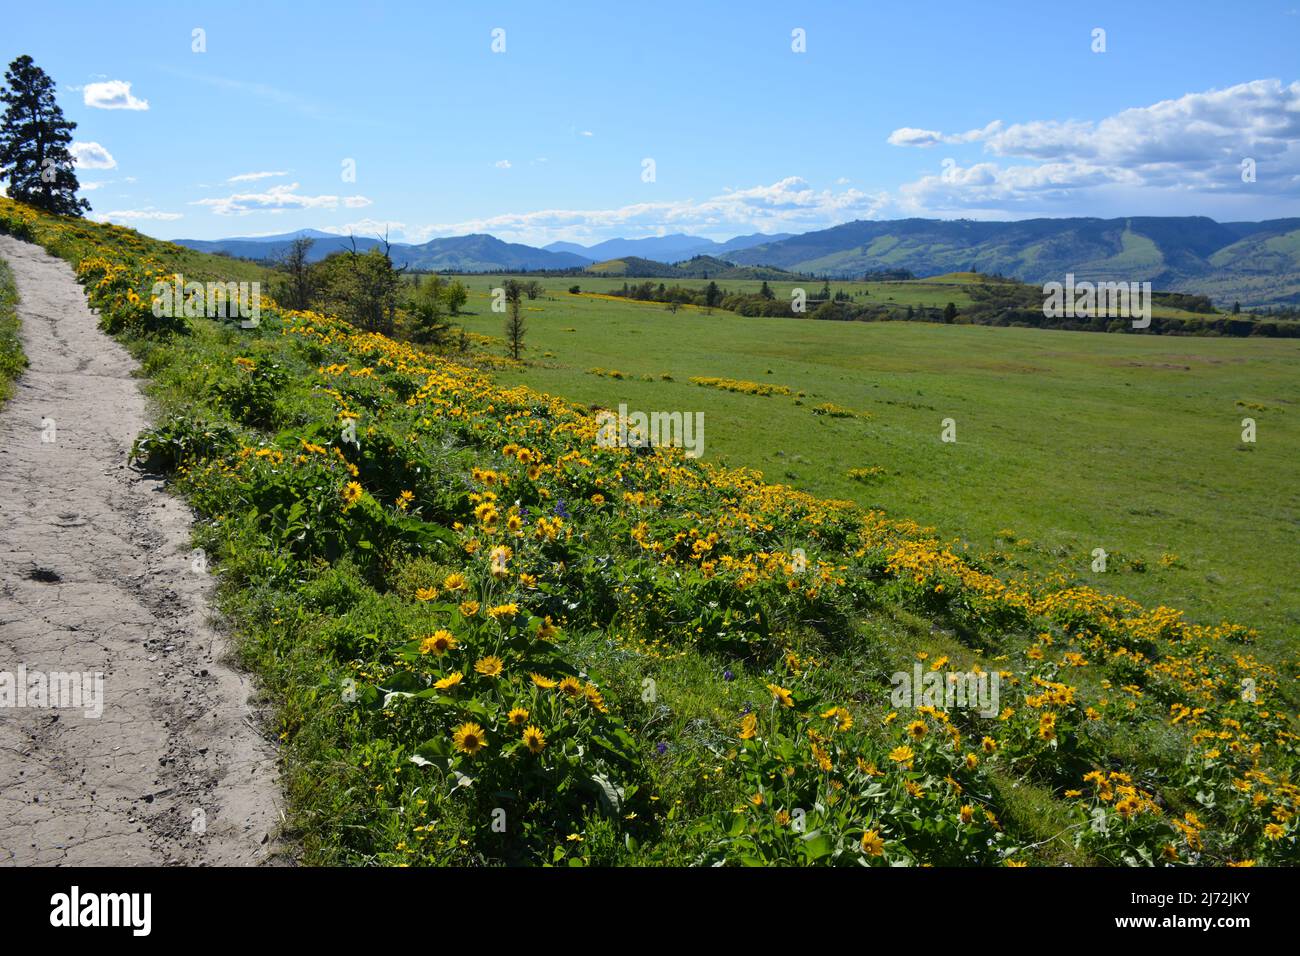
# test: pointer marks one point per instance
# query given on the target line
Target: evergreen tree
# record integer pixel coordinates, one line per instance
(515, 325)
(34, 157)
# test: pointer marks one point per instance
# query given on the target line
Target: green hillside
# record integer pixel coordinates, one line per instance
(1185, 254)
(699, 267)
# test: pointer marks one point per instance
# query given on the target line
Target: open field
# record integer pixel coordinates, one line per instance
(934, 292)
(1071, 440)
(488, 638)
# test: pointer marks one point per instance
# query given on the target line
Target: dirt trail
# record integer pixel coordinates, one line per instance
(96, 576)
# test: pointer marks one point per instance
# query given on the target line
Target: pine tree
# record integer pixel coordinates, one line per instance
(515, 325)
(34, 157)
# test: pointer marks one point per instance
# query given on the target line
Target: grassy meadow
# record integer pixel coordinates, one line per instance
(1070, 441)
(488, 639)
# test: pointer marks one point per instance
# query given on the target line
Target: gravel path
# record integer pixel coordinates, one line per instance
(96, 577)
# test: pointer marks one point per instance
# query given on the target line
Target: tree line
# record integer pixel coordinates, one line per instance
(997, 301)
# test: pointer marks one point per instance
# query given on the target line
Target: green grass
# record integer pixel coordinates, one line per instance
(932, 292)
(1071, 440)
(1139, 255)
(12, 359)
(935, 292)
(315, 594)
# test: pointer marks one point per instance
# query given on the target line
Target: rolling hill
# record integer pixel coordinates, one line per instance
(662, 248)
(482, 253)
(672, 248)
(1257, 263)
(698, 267)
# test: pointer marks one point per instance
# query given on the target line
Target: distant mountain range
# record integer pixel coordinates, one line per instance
(696, 267)
(671, 248)
(1256, 263)
(474, 253)
(484, 253)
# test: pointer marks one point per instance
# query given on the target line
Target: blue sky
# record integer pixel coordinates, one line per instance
(999, 110)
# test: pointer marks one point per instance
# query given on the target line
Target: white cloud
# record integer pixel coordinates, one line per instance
(92, 156)
(911, 136)
(1194, 143)
(133, 215)
(925, 138)
(112, 95)
(587, 132)
(990, 186)
(789, 205)
(502, 164)
(280, 198)
(250, 177)
(1198, 132)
